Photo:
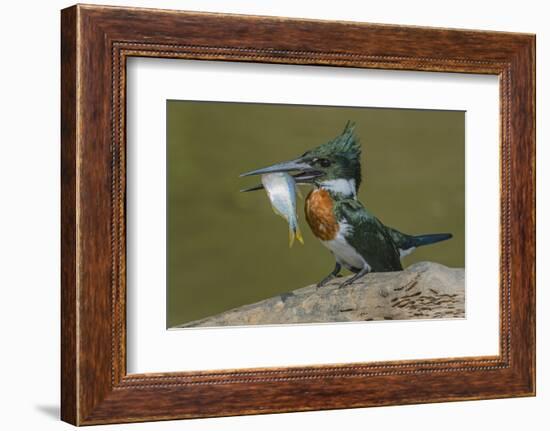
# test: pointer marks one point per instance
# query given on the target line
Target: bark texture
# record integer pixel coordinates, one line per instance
(425, 290)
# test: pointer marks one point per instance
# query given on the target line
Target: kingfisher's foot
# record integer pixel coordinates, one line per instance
(353, 279)
(325, 280)
(335, 272)
(346, 283)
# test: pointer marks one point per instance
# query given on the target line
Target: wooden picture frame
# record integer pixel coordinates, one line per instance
(96, 41)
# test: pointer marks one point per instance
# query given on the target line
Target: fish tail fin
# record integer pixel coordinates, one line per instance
(294, 232)
(299, 235)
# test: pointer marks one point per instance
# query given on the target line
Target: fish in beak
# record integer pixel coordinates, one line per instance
(304, 173)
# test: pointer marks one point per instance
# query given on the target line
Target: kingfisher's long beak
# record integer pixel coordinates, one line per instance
(291, 165)
(304, 172)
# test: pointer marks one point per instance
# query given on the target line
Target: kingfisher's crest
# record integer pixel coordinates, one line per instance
(345, 145)
(339, 158)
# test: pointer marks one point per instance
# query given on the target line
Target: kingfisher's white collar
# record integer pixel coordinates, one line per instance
(341, 186)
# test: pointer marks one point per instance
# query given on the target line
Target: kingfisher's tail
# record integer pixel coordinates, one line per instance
(420, 240)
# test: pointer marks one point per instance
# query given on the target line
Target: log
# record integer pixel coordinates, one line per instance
(425, 290)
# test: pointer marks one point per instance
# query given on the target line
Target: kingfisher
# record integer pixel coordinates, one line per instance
(357, 239)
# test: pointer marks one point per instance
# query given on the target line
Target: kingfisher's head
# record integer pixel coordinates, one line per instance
(334, 165)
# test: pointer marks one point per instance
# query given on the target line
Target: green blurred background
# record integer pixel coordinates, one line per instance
(227, 249)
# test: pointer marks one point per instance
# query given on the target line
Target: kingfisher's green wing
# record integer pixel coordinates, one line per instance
(369, 236)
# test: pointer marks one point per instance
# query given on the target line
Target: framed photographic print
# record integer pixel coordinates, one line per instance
(267, 215)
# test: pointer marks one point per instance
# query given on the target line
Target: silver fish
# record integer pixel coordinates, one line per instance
(281, 191)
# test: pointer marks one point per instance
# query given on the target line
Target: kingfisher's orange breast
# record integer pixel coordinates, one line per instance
(320, 215)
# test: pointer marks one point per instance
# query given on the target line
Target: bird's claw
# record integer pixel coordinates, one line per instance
(335, 273)
(346, 283)
(322, 283)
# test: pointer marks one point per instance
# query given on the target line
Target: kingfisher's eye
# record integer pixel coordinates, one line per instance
(325, 163)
